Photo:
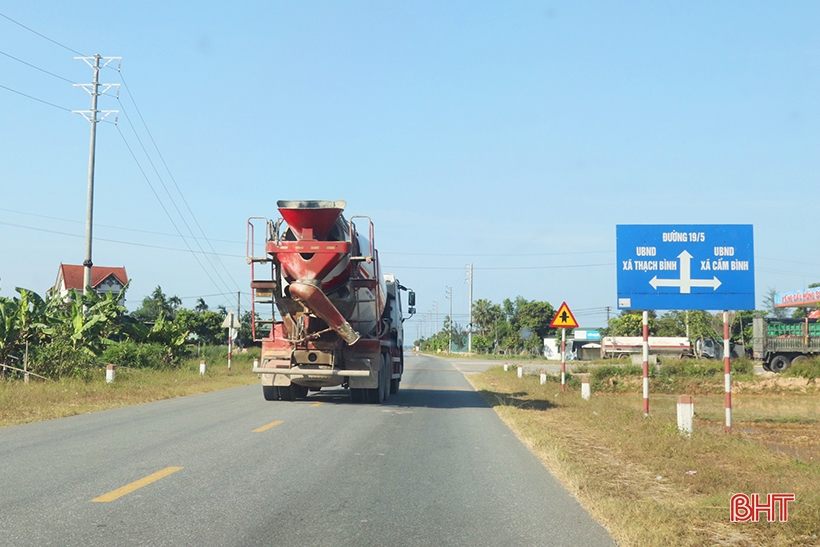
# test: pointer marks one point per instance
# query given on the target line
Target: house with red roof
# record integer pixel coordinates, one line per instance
(103, 279)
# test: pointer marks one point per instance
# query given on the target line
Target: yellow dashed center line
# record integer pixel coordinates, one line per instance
(136, 485)
(317, 404)
(266, 427)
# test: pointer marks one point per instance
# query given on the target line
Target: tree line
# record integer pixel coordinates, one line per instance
(72, 335)
(520, 326)
(514, 326)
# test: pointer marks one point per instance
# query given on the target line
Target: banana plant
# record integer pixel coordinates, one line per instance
(9, 327)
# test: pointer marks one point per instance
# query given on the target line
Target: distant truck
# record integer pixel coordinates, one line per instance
(780, 343)
(614, 347)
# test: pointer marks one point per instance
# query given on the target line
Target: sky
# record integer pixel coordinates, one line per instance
(514, 136)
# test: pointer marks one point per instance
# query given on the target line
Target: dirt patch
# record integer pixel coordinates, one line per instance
(799, 441)
(774, 383)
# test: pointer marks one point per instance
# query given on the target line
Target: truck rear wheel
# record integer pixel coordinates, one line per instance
(299, 392)
(379, 394)
(799, 359)
(286, 393)
(357, 396)
(271, 393)
(779, 363)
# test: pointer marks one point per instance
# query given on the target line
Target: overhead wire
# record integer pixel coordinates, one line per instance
(123, 228)
(170, 218)
(40, 35)
(107, 240)
(173, 202)
(36, 67)
(35, 98)
(170, 174)
(133, 155)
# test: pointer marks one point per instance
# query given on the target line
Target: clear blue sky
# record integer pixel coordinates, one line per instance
(513, 135)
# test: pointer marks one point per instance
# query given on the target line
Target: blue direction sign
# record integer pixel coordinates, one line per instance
(685, 267)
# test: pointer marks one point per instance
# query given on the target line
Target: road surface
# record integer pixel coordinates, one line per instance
(432, 466)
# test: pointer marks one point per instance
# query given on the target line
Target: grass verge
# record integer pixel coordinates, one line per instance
(649, 485)
(23, 403)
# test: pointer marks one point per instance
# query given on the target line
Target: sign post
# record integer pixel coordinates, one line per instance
(230, 323)
(564, 319)
(645, 353)
(686, 267)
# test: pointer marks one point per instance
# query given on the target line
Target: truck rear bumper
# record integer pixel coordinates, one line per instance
(324, 373)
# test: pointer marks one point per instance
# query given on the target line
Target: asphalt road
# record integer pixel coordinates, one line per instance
(434, 466)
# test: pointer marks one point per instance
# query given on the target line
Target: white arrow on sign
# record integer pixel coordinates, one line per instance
(685, 282)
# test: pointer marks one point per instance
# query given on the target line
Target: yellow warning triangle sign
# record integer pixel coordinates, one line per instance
(564, 318)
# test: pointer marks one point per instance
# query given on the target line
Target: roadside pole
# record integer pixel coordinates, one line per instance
(230, 345)
(563, 319)
(231, 324)
(686, 267)
(727, 370)
(646, 363)
(563, 358)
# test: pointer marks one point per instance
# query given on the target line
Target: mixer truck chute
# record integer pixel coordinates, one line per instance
(340, 317)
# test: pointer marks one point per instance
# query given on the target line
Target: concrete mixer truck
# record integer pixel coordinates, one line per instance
(339, 318)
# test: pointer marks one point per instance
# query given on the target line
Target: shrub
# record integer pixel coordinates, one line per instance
(131, 354)
(60, 358)
(603, 373)
(807, 369)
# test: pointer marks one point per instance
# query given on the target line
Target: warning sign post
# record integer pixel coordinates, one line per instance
(564, 320)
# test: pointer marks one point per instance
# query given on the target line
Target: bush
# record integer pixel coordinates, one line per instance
(134, 355)
(604, 373)
(742, 366)
(807, 369)
(214, 354)
(702, 369)
(60, 358)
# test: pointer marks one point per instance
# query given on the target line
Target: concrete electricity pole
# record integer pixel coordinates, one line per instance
(91, 115)
(470, 320)
(450, 330)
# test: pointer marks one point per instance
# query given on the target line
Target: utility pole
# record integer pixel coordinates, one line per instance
(91, 115)
(450, 330)
(238, 306)
(470, 320)
(607, 316)
(435, 329)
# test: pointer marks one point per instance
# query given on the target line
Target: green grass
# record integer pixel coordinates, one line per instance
(39, 400)
(648, 484)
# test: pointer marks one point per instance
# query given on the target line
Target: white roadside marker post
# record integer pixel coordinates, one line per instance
(520, 371)
(109, 374)
(202, 367)
(686, 414)
(585, 389)
(506, 367)
(543, 377)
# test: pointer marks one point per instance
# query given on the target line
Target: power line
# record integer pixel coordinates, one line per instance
(173, 202)
(133, 243)
(171, 175)
(40, 35)
(36, 67)
(35, 98)
(112, 226)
